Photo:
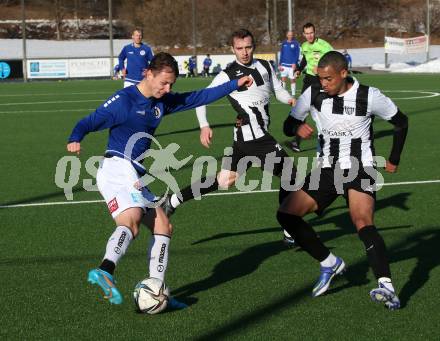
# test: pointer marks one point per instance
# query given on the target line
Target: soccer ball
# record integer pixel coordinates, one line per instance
(151, 296)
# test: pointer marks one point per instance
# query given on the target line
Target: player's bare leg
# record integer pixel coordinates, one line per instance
(127, 228)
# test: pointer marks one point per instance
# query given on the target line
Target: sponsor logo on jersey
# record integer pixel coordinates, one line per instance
(238, 72)
(140, 112)
(130, 52)
(337, 133)
(261, 102)
(142, 53)
(112, 205)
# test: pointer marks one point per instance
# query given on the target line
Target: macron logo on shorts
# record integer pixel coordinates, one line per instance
(113, 205)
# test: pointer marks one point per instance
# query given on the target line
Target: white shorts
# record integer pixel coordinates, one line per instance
(116, 179)
(287, 72)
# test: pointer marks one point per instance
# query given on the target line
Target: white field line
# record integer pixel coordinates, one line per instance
(404, 183)
(108, 93)
(427, 94)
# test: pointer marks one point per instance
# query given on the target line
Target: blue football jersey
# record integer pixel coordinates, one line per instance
(137, 58)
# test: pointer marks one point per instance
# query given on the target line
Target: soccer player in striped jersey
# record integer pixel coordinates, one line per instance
(132, 115)
(138, 56)
(251, 135)
(289, 59)
(343, 111)
(312, 50)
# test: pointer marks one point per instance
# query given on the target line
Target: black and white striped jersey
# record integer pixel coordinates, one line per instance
(344, 122)
(251, 104)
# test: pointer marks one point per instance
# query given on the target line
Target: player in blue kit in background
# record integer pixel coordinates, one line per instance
(138, 56)
(206, 65)
(132, 115)
(289, 59)
(192, 64)
(348, 58)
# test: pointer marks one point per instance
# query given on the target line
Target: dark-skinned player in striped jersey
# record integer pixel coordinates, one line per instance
(343, 111)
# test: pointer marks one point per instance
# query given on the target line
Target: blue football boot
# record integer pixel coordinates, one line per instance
(107, 284)
(174, 304)
(327, 274)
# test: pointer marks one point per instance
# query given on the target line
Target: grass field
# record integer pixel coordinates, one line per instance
(226, 259)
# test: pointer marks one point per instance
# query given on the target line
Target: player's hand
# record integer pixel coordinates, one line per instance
(123, 73)
(280, 68)
(297, 73)
(292, 102)
(205, 136)
(390, 168)
(293, 67)
(74, 147)
(246, 81)
(304, 131)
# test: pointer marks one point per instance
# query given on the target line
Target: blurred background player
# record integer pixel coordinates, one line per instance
(206, 65)
(348, 58)
(251, 132)
(138, 56)
(192, 65)
(312, 50)
(289, 59)
(136, 112)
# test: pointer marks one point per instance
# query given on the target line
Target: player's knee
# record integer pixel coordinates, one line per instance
(361, 221)
(226, 180)
(134, 228)
(162, 225)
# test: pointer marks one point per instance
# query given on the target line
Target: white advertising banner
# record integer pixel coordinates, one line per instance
(417, 44)
(96, 67)
(407, 45)
(51, 68)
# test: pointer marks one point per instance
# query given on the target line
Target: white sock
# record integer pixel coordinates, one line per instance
(293, 88)
(386, 282)
(158, 255)
(287, 234)
(329, 261)
(118, 244)
(175, 201)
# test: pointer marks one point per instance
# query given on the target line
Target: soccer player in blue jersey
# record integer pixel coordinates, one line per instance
(192, 64)
(206, 65)
(138, 56)
(132, 115)
(289, 59)
(348, 58)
